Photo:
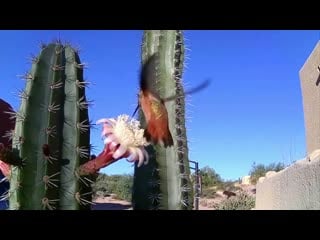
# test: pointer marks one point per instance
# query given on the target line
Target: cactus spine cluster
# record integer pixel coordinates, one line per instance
(52, 134)
(165, 182)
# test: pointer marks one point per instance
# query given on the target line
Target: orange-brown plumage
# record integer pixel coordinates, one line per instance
(157, 119)
(153, 107)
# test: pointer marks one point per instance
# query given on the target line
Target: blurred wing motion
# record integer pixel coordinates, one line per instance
(154, 110)
(152, 105)
(191, 91)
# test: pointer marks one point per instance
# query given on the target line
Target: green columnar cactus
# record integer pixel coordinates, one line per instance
(52, 134)
(164, 183)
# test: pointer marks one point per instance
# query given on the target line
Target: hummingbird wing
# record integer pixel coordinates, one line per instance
(148, 79)
(148, 76)
(198, 88)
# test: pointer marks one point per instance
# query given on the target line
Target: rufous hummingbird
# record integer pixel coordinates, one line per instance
(153, 106)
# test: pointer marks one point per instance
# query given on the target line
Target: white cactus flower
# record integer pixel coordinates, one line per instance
(128, 136)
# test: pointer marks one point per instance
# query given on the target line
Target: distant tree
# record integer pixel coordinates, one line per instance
(121, 185)
(260, 170)
(209, 177)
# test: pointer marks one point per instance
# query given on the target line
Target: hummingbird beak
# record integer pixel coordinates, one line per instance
(135, 111)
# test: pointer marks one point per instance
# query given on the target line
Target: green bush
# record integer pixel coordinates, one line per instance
(242, 201)
(121, 185)
(211, 182)
(260, 170)
(209, 177)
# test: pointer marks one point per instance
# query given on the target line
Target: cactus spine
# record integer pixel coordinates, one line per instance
(52, 134)
(165, 182)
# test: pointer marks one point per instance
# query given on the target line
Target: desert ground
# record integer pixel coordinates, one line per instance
(112, 203)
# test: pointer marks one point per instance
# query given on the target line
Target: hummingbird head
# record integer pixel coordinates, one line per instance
(147, 80)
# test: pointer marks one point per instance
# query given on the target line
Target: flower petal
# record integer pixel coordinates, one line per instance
(5, 168)
(109, 139)
(111, 121)
(141, 157)
(134, 155)
(113, 145)
(106, 130)
(146, 154)
(120, 152)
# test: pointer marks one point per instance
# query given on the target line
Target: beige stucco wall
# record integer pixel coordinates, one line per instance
(294, 188)
(309, 74)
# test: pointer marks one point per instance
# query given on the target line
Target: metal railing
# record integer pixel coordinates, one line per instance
(198, 185)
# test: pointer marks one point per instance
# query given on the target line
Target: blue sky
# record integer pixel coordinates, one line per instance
(251, 112)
